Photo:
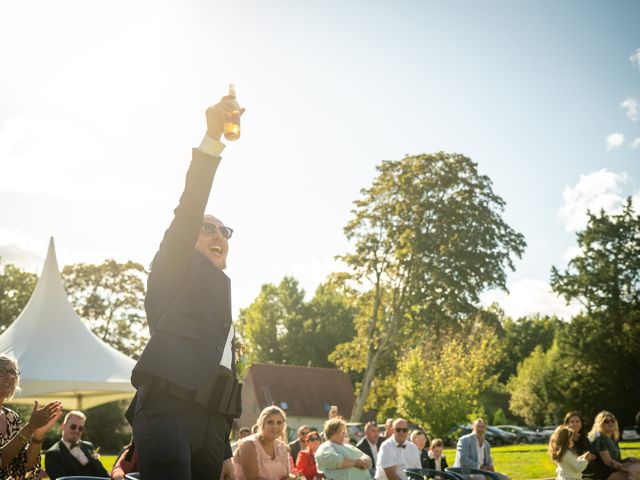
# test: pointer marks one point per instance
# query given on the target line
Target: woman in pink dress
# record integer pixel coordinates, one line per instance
(264, 455)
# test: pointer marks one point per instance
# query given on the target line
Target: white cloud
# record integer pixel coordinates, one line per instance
(21, 250)
(528, 297)
(635, 143)
(635, 58)
(631, 107)
(614, 140)
(595, 191)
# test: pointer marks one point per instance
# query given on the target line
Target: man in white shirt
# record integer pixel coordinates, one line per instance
(396, 454)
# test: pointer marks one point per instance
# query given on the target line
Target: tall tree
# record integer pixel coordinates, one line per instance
(16, 287)
(440, 381)
(601, 346)
(535, 390)
(520, 338)
(428, 237)
(110, 297)
(281, 327)
(265, 324)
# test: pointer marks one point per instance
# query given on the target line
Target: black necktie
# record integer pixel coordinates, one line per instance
(404, 445)
(73, 445)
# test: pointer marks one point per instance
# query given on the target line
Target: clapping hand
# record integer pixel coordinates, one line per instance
(43, 418)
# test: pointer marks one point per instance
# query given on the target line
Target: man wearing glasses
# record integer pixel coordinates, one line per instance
(187, 392)
(397, 454)
(71, 455)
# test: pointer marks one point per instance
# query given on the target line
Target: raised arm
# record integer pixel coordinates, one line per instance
(176, 248)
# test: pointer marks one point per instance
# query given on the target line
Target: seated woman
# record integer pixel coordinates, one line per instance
(436, 458)
(127, 462)
(608, 464)
(337, 459)
(419, 439)
(306, 463)
(574, 421)
(570, 465)
(264, 455)
(20, 445)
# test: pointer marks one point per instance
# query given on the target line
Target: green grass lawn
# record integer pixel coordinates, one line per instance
(520, 462)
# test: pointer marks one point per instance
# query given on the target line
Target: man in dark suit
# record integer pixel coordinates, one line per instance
(300, 443)
(187, 392)
(71, 455)
(371, 442)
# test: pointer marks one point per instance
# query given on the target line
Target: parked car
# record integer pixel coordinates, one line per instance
(501, 437)
(546, 432)
(523, 435)
(356, 432)
(629, 434)
(495, 436)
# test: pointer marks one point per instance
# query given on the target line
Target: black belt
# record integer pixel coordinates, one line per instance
(225, 398)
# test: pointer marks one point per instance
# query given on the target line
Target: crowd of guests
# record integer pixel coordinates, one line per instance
(595, 455)
(263, 453)
(313, 455)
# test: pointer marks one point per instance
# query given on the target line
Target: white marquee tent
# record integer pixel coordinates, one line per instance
(58, 356)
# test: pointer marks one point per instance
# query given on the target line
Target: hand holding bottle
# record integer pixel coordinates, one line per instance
(224, 117)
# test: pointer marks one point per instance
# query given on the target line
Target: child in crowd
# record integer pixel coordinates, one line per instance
(561, 450)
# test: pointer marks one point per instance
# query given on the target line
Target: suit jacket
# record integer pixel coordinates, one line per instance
(188, 300)
(294, 449)
(59, 462)
(431, 463)
(467, 453)
(363, 446)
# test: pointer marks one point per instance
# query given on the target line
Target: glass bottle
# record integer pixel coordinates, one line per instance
(232, 120)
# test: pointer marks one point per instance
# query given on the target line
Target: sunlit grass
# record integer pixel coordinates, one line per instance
(520, 462)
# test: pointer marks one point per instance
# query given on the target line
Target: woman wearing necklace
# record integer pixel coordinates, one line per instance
(20, 445)
(264, 455)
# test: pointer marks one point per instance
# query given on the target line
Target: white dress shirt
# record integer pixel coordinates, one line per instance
(391, 455)
(77, 452)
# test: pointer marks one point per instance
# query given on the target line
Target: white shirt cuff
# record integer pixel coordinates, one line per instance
(211, 146)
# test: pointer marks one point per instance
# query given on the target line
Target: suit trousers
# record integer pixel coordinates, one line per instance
(178, 439)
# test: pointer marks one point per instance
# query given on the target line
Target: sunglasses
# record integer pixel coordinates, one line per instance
(609, 420)
(73, 426)
(313, 439)
(211, 229)
(401, 430)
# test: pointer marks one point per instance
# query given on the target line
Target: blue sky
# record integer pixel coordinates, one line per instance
(100, 103)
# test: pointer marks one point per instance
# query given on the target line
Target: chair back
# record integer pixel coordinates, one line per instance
(466, 472)
(422, 473)
(83, 477)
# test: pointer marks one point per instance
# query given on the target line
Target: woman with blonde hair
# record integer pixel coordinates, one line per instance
(20, 444)
(608, 464)
(264, 455)
(561, 450)
(337, 459)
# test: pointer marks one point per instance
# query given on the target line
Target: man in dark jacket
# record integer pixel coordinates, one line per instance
(370, 443)
(72, 455)
(187, 392)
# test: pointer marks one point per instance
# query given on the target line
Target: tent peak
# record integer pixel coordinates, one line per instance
(51, 262)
